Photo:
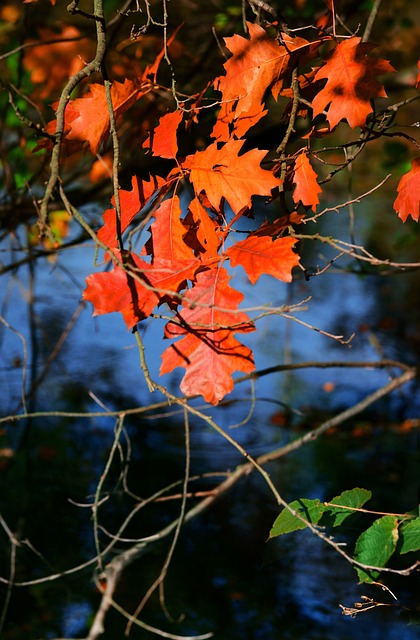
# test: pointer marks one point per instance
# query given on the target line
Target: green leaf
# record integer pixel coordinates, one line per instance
(409, 536)
(354, 498)
(286, 522)
(376, 545)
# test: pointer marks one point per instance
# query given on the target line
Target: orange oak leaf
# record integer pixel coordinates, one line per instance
(136, 297)
(351, 83)
(86, 119)
(116, 290)
(168, 277)
(222, 173)
(93, 123)
(131, 202)
(408, 200)
(162, 141)
(168, 232)
(209, 351)
(307, 187)
(261, 254)
(230, 124)
(257, 64)
(102, 168)
(205, 235)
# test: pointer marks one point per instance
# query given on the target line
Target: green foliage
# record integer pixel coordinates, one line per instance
(409, 536)
(286, 522)
(374, 546)
(354, 498)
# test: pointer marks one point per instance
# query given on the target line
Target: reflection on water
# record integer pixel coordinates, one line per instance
(224, 577)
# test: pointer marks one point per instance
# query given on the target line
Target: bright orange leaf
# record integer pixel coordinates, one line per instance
(86, 119)
(116, 290)
(257, 64)
(136, 297)
(229, 124)
(307, 187)
(408, 200)
(261, 254)
(209, 351)
(168, 232)
(351, 83)
(92, 124)
(162, 141)
(222, 173)
(131, 203)
(207, 236)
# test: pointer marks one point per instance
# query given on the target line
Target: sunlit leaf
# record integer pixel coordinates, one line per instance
(408, 200)
(409, 536)
(375, 546)
(351, 83)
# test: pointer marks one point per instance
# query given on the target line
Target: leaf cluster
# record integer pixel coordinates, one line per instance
(388, 536)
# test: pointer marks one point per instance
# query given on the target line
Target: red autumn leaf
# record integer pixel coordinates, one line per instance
(257, 64)
(131, 202)
(408, 200)
(116, 290)
(168, 232)
(351, 83)
(93, 122)
(418, 76)
(135, 298)
(206, 234)
(229, 123)
(209, 351)
(162, 141)
(168, 277)
(222, 173)
(307, 187)
(102, 168)
(261, 254)
(86, 119)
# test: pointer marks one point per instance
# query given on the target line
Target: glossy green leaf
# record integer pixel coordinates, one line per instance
(354, 498)
(376, 545)
(409, 533)
(286, 522)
